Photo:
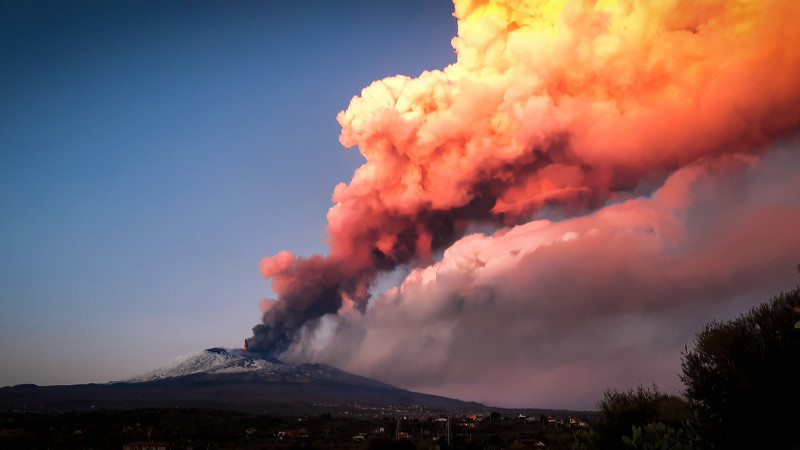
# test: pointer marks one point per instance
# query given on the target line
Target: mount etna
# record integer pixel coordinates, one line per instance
(234, 379)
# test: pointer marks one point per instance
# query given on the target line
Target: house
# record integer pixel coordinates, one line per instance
(147, 445)
(527, 444)
(292, 434)
(579, 423)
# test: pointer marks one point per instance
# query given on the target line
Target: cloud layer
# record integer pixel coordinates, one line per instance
(554, 109)
(552, 313)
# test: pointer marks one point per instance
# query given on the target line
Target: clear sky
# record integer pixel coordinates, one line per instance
(151, 153)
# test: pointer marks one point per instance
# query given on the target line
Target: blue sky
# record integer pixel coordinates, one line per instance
(151, 153)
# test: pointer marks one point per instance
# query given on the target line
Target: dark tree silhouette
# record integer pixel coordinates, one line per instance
(619, 411)
(742, 376)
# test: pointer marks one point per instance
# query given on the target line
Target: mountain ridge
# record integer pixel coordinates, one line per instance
(234, 379)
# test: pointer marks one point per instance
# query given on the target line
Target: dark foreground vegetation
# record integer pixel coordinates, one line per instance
(202, 429)
(742, 382)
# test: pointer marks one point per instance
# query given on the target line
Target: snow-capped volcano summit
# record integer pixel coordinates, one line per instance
(237, 364)
(236, 379)
(211, 361)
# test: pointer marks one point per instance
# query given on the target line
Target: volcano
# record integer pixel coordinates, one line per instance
(234, 379)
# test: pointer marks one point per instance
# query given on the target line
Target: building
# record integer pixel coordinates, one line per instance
(147, 445)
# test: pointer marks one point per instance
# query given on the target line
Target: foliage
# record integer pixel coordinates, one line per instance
(742, 375)
(658, 436)
(619, 411)
(582, 440)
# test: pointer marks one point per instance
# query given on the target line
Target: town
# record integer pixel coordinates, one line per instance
(179, 429)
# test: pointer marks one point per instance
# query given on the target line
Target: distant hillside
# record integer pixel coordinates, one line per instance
(234, 380)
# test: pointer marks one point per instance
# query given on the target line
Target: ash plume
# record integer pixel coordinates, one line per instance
(549, 104)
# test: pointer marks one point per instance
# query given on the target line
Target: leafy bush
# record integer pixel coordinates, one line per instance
(657, 436)
(620, 411)
(742, 376)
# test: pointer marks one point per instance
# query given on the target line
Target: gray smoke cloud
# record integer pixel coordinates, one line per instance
(567, 107)
(553, 313)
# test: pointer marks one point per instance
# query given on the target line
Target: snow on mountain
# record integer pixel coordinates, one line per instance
(234, 379)
(214, 361)
(219, 362)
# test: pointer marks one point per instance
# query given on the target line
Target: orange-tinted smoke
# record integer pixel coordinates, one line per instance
(559, 103)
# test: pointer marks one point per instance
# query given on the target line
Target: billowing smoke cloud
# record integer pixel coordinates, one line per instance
(553, 313)
(560, 104)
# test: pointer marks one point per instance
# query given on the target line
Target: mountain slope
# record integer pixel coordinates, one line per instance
(235, 364)
(212, 360)
(236, 380)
